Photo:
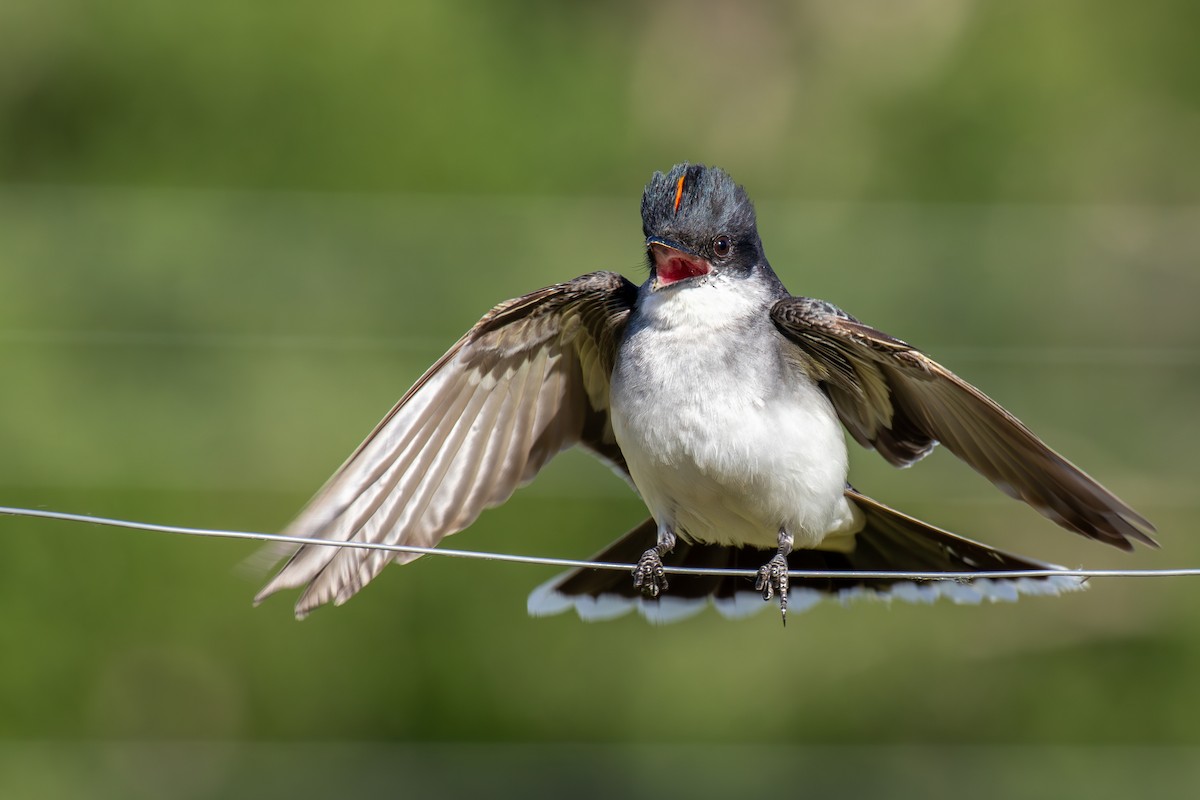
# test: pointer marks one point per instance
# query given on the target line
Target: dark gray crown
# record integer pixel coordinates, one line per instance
(708, 202)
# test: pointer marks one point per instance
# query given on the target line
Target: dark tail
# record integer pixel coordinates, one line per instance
(889, 541)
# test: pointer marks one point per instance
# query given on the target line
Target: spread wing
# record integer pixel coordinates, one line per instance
(529, 380)
(895, 399)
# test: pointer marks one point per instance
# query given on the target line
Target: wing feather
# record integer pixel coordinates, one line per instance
(527, 381)
(895, 399)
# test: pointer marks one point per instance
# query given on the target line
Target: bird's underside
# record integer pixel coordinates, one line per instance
(534, 377)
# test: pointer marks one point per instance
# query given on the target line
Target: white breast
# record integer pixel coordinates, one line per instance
(724, 439)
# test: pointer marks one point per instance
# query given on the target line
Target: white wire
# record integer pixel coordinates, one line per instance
(575, 563)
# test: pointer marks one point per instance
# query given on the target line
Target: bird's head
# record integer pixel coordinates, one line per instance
(698, 223)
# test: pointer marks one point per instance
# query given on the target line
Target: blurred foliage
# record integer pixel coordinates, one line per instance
(231, 234)
(926, 100)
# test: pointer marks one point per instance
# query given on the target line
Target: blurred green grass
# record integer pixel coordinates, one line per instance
(232, 235)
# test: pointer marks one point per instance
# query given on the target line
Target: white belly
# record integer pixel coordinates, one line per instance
(725, 446)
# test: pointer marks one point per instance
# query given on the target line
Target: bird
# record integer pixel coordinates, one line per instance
(724, 401)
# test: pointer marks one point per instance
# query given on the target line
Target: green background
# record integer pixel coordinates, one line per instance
(233, 233)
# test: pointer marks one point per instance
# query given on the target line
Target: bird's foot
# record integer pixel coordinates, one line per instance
(649, 575)
(772, 579)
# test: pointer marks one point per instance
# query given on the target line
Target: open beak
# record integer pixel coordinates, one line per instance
(673, 263)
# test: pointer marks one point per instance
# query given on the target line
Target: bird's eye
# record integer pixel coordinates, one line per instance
(721, 246)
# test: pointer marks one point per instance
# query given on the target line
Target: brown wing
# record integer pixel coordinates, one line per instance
(529, 380)
(899, 401)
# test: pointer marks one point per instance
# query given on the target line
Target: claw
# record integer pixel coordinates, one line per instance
(649, 575)
(772, 578)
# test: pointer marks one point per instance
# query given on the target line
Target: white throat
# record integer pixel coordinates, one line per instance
(714, 302)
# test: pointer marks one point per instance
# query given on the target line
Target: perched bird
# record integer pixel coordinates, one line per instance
(721, 399)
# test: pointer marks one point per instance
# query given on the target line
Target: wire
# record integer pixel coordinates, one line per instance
(575, 563)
